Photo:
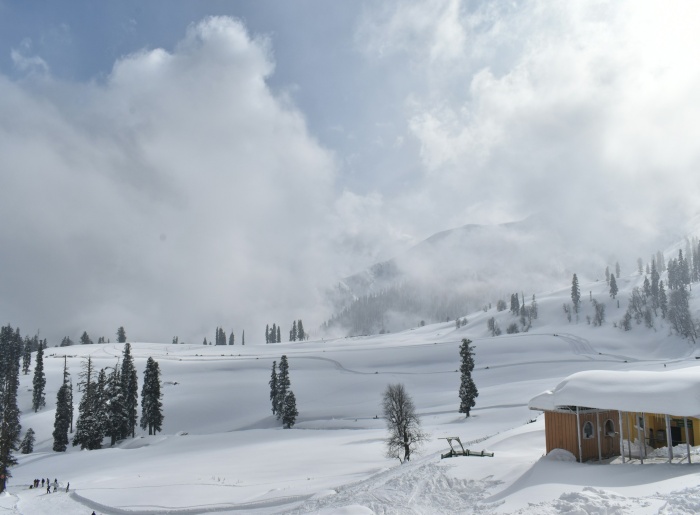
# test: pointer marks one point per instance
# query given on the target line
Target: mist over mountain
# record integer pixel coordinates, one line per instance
(464, 269)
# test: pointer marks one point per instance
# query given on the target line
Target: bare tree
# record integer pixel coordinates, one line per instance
(405, 433)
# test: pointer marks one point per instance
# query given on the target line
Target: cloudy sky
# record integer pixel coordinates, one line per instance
(171, 166)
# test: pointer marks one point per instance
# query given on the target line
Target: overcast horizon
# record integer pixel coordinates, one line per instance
(176, 166)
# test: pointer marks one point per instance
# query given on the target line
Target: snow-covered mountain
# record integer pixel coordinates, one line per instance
(222, 451)
(463, 269)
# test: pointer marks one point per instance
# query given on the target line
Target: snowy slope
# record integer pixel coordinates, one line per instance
(221, 450)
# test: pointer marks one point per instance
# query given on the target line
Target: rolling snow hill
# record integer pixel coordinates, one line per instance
(222, 451)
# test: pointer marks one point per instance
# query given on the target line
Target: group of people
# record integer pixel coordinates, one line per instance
(47, 482)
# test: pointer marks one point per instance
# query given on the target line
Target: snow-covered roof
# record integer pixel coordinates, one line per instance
(673, 392)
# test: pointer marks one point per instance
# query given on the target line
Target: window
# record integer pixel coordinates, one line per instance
(609, 428)
(588, 430)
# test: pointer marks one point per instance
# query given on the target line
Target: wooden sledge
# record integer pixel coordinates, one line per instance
(464, 452)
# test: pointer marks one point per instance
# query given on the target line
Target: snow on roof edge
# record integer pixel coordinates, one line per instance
(673, 392)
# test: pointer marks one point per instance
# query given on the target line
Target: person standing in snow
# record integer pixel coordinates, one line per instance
(55, 484)
(48, 488)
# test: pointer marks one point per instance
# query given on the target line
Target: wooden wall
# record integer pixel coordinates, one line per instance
(561, 433)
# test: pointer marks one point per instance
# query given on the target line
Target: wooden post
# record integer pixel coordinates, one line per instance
(687, 438)
(640, 437)
(597, 429)
(669, 441)
(578, 434)
(629, 438)
(622, 438)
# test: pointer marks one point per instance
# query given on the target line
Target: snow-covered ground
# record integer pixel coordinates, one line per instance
(221, 450)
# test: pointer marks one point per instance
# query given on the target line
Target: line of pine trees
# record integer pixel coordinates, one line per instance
(109, 405)
(284, 404)
(10, 428)
(86, 340)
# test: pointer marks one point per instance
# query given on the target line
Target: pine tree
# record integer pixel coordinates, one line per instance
(64, 412)
(62, 419)
(663, 301)
(273, 388)
(39, 382)
(293, 332)
(267, 333)
(679, 313)
(130, 388)
(10, 428)
(467, 389)
(279, 335)
(607, 275)
(301, 334)
(231, 338)
(26, 359)
(151, 404)
(654, 289)
(617, 270)
(85, 339)
(121, 335)
(290, 413)
(613, 286)
(533, 308)
(575, 294)
(243, 338)
(87, 429)
(27, 444)
(100, 404)
(117, 418)
(66, 342)
(283, 385)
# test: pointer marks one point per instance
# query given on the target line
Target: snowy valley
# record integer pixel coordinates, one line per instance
(222, 451)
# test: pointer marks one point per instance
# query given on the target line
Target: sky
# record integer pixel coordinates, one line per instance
(176, 166)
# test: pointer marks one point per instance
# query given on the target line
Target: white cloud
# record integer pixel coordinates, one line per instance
(563, 106)
(178, 195)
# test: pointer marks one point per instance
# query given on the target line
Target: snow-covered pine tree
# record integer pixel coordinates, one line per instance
(273, 388)
(267, 333)
(231, 338)
(117, 419)
(613, 287)
(301, 334)
(290, 412)
(27, 444)
(121, 335)
(88, 433)
(85, 339)
(283, 385)
(39, 381)
(293, 332)
(467, 389)
(130, 389)
(151, 404)
(62, 419)
(10, 428)
(575, 293)
(663, 300)
(654, 288)
(279, 335)
(26, 359)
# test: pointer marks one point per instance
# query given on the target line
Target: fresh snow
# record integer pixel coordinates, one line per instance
(222, 451)
(676, 392)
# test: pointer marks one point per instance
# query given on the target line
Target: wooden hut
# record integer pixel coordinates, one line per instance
(597, 414)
